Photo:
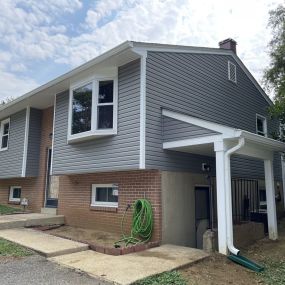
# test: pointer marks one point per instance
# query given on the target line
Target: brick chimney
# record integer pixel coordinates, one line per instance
(229, 44)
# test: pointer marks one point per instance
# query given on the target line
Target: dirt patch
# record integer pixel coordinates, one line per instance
(219, 270)
(88, 235)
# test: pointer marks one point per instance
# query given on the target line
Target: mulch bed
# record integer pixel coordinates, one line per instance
(100, 248)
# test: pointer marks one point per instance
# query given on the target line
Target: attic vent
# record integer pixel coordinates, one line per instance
(232, 72)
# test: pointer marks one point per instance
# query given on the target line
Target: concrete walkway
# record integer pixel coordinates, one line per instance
(32, 219)
(129, 268)
(45, 244)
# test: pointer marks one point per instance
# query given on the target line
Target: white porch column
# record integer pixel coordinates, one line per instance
(270, 198)
(221, 197)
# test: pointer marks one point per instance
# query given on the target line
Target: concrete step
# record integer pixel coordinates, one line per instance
(50, 211)
(27, 220)
(45, 244)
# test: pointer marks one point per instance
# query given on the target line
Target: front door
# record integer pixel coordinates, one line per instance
(202, 213)
(51, 188)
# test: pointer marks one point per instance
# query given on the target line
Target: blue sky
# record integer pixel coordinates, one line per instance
(40, 40)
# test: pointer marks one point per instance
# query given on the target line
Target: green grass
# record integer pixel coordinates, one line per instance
(4, 210)
(10, 249)
(274, 273)
(169, 278)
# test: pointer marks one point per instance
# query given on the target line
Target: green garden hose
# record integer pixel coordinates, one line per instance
(142, 224)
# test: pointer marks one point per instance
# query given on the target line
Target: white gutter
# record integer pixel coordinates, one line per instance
(228, 185)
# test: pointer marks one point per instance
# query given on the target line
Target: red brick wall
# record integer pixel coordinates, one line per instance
(75, 198)
(33, 188)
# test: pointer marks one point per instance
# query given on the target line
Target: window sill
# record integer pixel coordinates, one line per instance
(104, 209)
(90, 135)
(14, 202)
(3, 149)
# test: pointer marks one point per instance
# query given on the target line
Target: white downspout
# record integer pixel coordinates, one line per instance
(228, 184)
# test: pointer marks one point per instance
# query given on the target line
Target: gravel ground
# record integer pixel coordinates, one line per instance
(36, 270)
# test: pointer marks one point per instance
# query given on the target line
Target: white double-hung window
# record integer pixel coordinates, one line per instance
(4, 134)
(93, 109)
(104, 195)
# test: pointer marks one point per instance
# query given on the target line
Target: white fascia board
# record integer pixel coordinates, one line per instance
(268, 143)
(251, 150)
(179, 48)
(199, 122)
(192, 142)
(26, 141)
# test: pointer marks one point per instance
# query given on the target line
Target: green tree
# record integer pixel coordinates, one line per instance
(275, 75)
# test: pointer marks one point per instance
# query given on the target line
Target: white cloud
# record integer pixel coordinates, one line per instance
(33, 31)
(15, 86)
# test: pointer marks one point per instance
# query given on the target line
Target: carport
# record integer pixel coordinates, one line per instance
(221, 143)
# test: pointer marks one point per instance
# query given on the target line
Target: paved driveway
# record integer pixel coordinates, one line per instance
(36, 270)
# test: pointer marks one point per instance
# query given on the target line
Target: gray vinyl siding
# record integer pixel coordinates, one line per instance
(250, 168)
(173, 130)
(11, 160)
(197, 85)
(34, 141)
(118, 152)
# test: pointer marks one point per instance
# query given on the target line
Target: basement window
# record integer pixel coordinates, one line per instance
(104, 195)
(261, 125)
(232, 72)
(15, 194)
(4, 134)
(93, 109)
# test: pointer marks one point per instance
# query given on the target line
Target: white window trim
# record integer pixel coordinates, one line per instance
(1, 133)
(229, 73)
(264, 124)
(94, 132)
(11, 199)
(95, 203)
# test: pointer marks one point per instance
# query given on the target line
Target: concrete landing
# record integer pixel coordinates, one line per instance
(129, 268)
(26, 220)
(45, 244)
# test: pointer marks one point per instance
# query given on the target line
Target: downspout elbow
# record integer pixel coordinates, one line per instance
(228, 154)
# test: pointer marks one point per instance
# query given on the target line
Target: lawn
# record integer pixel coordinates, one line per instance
(173, 278)
(274, 273)
(4, 210)
(9, 249)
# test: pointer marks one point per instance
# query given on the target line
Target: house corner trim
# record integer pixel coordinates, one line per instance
(142, 110)
(26, 141)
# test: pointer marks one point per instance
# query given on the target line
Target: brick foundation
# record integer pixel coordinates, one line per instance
(75, 199)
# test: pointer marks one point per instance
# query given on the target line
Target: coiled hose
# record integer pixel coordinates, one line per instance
(142, 224)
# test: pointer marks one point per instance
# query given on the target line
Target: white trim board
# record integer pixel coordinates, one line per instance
(53, 129)
(26, 141)
(142, 109)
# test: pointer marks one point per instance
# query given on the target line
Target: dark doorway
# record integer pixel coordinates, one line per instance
(202, 213)
(51, 192)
